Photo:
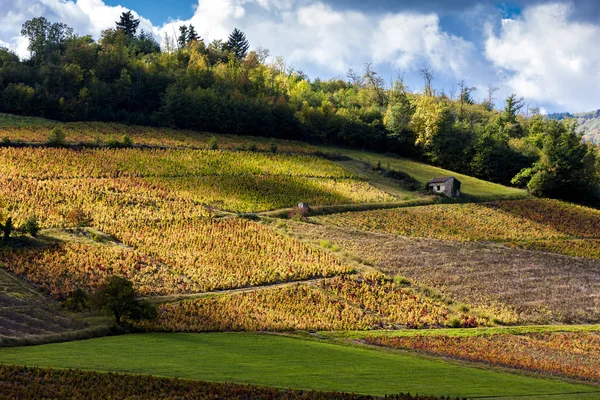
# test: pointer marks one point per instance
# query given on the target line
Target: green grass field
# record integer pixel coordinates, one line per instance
(285, 362)
(9, 120)
(474, 188)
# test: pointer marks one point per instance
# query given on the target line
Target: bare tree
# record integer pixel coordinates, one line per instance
(375, 82)
(427, 74)
(490, 101)
(354, 79)
(452, 92)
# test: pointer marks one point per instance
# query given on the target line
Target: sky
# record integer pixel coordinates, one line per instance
(544, 51)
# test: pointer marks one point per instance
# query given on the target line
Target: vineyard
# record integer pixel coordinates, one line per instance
(571, 354)
(238, 182)
(203, 228)
(37, 383)
(497, 221)
(575, 248)
(341, 303)
(175, 257)
(511, 286)
(100, 133)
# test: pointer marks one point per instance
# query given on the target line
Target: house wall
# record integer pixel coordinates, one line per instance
(448, 187)
(445, 188)
(434, 186)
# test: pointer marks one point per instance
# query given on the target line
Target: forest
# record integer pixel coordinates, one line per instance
(224, 87)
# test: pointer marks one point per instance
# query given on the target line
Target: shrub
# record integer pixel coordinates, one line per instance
(77, 301)
(113, 143)
(6, 229)
(213, 144)
(127, 142)
(56, 137)
(273, 148)
(249, 216)
(31, 226)
(78, 218)
(300, 214)
(252, 147)
(401, 280)
(5, 140)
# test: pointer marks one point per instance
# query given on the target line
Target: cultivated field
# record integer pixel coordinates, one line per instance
(204, 229)
(342, 303)
(499, 221)
(35, 131)
(570, 354)
(507, 285)
(26, 313)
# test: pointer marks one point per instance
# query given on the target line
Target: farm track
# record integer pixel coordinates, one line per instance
(250, 289)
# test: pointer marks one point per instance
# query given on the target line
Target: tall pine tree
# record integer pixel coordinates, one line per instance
(182, 40)
(128, 24)
(192, 34)
(238, 44)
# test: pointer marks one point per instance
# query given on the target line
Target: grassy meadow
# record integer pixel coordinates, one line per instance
(284, 362)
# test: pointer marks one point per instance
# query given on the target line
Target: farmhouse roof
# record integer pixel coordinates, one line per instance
(441, 179)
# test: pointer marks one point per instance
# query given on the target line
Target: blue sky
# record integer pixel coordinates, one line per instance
(542, 50)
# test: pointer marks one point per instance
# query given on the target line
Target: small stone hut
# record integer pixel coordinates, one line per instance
(448, 185)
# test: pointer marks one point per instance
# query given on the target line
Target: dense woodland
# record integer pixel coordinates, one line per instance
(125, 76)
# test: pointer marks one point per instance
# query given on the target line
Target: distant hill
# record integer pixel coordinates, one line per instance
(589, 123)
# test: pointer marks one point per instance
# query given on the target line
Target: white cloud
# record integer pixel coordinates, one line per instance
(407, 40)
(84, 16)
(549, 58)
(308, 34)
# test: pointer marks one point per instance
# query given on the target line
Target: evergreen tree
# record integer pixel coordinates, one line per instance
(183, 36)
(238, 44)
(128, 24)
(192, 34)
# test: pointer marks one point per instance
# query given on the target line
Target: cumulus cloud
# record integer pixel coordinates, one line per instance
(548, 57)
(407, 40)
(308, 34)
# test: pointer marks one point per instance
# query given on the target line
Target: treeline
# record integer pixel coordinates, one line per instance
(221, 86)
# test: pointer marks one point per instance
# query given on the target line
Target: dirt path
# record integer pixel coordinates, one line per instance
(177, 297)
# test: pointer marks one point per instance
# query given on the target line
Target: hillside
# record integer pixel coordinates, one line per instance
(207, 230)
(589, 123)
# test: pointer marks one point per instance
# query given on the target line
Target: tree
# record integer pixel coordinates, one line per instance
(128, 24)
(238, 44)
(465, 96)
(46, 39)
(427, 75)
(31, 226)
(182, 39)
(117, 297)
(375, 84)
(567, 168)
(145, 44)
(187, 34)
(398, 115)
(490, 102)
(509, 116)
(192, 35)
